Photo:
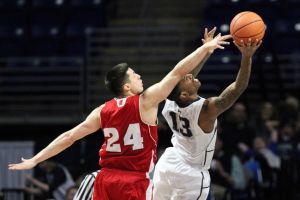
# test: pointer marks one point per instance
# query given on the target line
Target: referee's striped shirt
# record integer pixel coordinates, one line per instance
(85, 189)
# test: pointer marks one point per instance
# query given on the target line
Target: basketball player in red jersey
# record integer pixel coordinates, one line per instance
(129, 126)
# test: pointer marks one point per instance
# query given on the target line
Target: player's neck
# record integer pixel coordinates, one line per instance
(186, 103)
(194, 97)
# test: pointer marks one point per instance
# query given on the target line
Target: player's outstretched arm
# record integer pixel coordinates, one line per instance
(158, 92)
(91, 124)
(218, 105)
(208, 36)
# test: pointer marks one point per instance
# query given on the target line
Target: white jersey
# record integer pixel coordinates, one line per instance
(181, 172)
(191, 143)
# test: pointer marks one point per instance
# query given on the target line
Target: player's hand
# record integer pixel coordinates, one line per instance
(208, 36)
(25, 164)
(217, 42)
(248, 48)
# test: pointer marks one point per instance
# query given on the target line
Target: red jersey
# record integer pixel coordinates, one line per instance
(129, 143)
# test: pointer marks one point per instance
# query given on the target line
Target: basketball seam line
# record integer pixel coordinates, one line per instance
(239, 18)
(251, 35)
(246, 25)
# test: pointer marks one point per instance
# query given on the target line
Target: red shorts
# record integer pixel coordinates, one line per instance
(112, 184)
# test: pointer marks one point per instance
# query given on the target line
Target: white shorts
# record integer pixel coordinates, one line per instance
(176, 180)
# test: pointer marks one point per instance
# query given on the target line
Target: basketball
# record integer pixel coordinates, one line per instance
(247, 25)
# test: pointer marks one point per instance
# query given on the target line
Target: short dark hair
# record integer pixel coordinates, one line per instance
(116, 77)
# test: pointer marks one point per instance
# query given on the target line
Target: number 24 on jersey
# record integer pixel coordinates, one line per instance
(132, 137)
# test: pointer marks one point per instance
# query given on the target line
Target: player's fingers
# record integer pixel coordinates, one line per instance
(223, 42)
(259, 43)
(226, 37)
(254, 43)
(205, 32)
(11, 166)
(220, 47)
(236, 44)
(212, 32)
(242, 44)
(203, 41)
(217, 37)
(249, 43)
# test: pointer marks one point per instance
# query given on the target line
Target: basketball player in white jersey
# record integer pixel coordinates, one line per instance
(182, 171)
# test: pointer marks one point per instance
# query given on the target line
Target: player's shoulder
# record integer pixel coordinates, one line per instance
(99, 108)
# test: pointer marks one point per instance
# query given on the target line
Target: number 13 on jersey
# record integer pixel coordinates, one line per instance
(132, 137)
(181, 125)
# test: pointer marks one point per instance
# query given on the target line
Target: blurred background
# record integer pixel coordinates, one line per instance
(54, 55)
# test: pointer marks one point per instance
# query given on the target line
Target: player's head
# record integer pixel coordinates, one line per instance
(122, 81)
(186, 90)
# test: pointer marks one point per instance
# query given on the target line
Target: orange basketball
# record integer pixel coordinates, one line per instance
(247, 25)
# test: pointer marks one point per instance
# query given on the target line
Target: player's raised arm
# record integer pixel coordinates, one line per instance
(208, 36)
(91, 124)
(158, 92)
(217, 105)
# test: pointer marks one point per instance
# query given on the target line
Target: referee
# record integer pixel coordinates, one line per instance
(85, 190)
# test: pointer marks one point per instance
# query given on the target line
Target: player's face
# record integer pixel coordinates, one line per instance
(135, 82)
(190, 84)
